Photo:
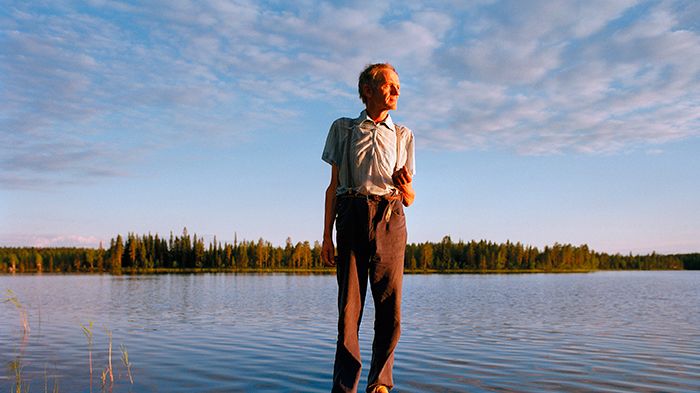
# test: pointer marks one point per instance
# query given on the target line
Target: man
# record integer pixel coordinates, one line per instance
(372, 165)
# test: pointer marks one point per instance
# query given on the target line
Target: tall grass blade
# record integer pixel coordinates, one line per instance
(125, 360)
(87, 330)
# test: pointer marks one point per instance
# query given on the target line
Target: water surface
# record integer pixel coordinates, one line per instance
(601, 332)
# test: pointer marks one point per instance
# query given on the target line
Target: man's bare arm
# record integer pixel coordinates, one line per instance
(328, 249)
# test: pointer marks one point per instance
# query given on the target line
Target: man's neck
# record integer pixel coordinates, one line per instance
(377, 116)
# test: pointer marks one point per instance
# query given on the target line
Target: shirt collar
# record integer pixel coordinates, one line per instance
(365, 117)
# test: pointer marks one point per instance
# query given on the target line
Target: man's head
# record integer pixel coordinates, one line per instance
(379, 86)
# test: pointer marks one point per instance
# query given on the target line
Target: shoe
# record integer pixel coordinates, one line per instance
(380, 389)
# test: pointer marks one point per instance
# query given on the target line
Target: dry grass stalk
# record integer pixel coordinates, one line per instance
(11, 297)
(109, 358)
(87, 330)
(46, 383)
(125, 360)
(16, 368)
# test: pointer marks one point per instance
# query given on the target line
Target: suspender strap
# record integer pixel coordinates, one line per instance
(348, 158)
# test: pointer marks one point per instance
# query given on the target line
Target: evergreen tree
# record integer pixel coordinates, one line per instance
(117, 254)
(38, 262)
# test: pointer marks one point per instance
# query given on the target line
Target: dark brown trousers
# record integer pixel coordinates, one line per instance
(370, 247)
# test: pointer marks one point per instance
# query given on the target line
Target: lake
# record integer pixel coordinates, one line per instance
(597, 332)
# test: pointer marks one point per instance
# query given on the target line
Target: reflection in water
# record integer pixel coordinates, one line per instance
(617, 331)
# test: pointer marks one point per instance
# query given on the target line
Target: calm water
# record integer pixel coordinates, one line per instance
(601, 332)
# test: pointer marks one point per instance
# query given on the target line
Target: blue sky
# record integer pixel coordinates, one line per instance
(535, 121)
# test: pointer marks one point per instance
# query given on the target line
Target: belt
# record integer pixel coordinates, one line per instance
(371, 197)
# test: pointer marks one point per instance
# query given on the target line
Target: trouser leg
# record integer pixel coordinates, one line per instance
(351, 270)
(386, 276)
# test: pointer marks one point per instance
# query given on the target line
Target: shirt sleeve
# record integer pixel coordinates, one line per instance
(410, 152)
(331, 153)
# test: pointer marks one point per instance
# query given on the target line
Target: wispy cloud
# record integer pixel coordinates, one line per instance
(84, 86)
(560, 83)
(42, 241)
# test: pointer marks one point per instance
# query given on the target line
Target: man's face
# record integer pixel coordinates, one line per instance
(384, 95)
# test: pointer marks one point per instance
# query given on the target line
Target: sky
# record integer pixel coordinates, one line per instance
(535, 121)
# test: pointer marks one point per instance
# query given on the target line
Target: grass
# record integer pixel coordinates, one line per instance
(125, 360)
(22, 384)
(16, 368)
(109, 360)
(87, 330)
(46, 383)
(104, 377)
(11, 297)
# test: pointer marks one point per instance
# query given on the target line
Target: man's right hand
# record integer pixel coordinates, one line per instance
(328, 253)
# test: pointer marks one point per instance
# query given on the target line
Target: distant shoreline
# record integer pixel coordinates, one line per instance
(186, 254)
(322, 271)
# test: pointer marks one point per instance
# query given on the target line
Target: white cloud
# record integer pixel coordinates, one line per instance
(560, 90)
(43, 241)
(535, 77)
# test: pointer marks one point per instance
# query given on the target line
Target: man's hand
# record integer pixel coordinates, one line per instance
(328, 252)
(403, 182)
(328, 249)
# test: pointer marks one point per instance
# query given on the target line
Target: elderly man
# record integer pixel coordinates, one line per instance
(372, 166)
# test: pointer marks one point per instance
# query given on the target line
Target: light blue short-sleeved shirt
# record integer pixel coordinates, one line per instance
(376, 151)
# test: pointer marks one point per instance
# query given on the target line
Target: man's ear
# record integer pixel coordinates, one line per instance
(367, 90)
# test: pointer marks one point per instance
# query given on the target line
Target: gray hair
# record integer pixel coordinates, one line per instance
(369, 76)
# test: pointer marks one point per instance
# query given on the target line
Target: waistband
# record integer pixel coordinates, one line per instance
(370, 197)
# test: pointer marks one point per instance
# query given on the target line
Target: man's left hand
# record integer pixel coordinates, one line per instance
(403, 182)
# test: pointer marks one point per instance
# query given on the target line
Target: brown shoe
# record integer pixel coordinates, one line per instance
(380, 389)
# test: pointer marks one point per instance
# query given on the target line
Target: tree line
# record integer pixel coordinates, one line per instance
(152, 253)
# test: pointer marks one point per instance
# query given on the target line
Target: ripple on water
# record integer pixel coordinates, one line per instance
(607, 332)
